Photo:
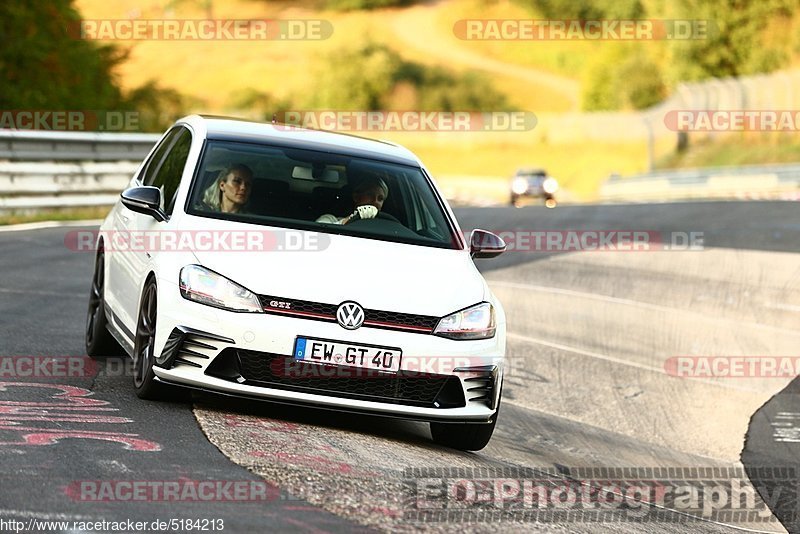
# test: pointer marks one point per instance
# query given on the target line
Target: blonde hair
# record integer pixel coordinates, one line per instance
(212, 196)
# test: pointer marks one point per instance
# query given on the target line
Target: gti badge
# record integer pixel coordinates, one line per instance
(280, 304)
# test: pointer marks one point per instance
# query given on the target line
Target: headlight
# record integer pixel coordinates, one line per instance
(207, 287)
(476, 322)
(550, 185)
(519, 186)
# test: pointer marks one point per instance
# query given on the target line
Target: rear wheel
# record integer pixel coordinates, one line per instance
(144, 379)
(464, 436)
(99, 341)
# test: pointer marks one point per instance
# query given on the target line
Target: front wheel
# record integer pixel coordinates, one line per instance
(463, 436)
(144, 379)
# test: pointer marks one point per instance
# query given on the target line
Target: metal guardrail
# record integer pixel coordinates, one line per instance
(26, 145)
(36, 185)
(65, 169)
(779, 181)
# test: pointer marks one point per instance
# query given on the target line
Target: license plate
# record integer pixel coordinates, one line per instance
(331, 352)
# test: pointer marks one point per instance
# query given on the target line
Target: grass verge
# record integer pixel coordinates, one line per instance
(61, 214)
(737, 149)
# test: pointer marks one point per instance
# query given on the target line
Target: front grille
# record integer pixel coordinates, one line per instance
(298, 306)
(327, 312)
(284, 372)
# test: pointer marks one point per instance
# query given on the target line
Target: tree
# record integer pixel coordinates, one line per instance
(623, 77)
(258, 104)
(367, 78)
(207, 5)
(641, 83)
(45, 65)
(351, 5)
(734, 44)
(587, 9)
(356, 78)
(157, 107)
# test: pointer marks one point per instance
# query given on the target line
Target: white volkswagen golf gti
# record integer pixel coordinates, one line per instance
(304, 268)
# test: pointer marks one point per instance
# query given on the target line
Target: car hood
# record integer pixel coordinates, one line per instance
(377, 274)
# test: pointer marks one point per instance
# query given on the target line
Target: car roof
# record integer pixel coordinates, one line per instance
(275, 134)
(524, 172)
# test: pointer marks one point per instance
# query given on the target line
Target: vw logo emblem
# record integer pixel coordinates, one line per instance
(350, 315)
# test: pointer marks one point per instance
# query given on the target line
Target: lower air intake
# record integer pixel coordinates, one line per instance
(284, 372)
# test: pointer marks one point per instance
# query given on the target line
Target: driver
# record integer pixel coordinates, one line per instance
(230, 191)
(368, 198)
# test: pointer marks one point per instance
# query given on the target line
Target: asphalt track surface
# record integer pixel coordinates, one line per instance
(589, 337)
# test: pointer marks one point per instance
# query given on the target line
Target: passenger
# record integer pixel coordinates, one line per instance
(230, 191)
(368, 197)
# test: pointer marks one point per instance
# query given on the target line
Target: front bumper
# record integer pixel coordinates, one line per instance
(533, 193)
(439, 380)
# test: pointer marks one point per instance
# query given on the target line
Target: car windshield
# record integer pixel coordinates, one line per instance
(531, 174)
(307, 189)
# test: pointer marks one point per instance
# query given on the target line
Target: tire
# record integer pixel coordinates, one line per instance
(550, 202)
(464, 436)
(100, 344)
(144, 379)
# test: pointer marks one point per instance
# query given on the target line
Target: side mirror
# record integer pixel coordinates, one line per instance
(483, 244)
(145, 199)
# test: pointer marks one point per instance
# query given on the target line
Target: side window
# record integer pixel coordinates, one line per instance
(168, 175)
(149, 172)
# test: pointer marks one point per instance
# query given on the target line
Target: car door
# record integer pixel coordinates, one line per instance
(126, 265)
(118, 264)
(167, 178)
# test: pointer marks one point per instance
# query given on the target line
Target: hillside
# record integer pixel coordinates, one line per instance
(543, 77)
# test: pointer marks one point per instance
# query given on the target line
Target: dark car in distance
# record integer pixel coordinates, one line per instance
(533, 184)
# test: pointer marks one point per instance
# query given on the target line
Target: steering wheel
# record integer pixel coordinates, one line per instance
(387, 216)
